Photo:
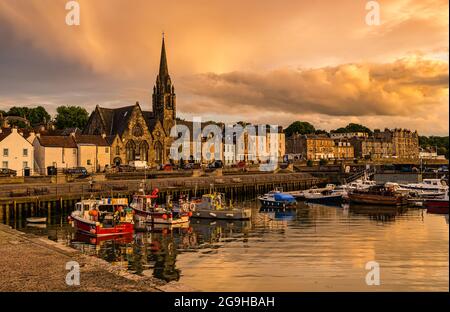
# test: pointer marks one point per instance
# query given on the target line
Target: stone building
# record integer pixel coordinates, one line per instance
(311, 146)
(372, 148)
(343, 149)
(136, 134)
(405, 142)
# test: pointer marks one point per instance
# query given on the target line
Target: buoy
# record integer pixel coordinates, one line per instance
(164, 216)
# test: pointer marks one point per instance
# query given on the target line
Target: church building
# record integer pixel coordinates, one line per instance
(136, 134)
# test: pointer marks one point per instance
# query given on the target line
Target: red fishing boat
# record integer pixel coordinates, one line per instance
(103, 217)
(437, 205)
(146, 209)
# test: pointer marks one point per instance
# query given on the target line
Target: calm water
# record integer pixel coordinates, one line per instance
(312, 248)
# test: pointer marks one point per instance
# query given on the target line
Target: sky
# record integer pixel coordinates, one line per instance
(262, 61)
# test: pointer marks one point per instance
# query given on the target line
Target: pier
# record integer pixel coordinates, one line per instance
(32, 198)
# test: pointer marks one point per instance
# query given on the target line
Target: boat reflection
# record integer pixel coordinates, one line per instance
(378, 213)
(279, 214)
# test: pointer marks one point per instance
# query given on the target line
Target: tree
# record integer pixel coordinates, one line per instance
(320, 131)
(352, 127)
(70, 117)
(301, 127)
(36, 115)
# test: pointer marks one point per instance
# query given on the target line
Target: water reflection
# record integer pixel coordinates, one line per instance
(312, 247)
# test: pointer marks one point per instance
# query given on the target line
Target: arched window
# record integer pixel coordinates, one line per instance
(143, 151)
(138, 131)
(131, 150)
(158, 152)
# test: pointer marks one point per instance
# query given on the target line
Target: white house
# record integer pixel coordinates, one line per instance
(16, 152)
(57, 151)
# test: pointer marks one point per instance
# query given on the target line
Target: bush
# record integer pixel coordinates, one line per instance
(309, 163)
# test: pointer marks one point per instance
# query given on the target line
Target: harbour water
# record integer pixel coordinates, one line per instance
(311, 248)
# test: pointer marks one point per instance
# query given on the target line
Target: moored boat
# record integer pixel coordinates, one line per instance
(146, 209)
(277, 199)
(377, 195)
(327, 197)
(213, 206)
(437, 205)
(37, 220)
(104, 217)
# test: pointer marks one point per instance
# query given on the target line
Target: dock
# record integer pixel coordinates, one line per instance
(16, 199)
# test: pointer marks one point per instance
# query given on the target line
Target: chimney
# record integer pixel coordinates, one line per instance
(104, 135)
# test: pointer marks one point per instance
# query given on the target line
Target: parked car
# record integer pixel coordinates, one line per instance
(125, 168)
(167, 167)
(6, 172)
(139, 164)
(76, 171)
(216, 164)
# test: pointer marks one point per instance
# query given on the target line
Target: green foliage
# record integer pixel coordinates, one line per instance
(309, 163)
(71, 116)
(435, 141)
(301, 127)
(352, 127)
(36, 115)
(320, 131)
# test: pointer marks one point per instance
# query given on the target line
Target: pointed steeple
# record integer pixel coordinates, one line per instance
(163, 68)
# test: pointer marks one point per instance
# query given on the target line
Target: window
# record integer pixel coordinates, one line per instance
(25, 152)
(5, 152)
(5, 164)
(89, 162)
(74, 151)
(117, 150)
(106, 149)
(25, 164)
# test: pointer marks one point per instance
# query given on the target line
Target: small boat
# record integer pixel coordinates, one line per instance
(314, 189)
(146, 209)
(434, 185)
(438, 206)
(104, 217)
(377, 195)
(37, 220)
(212, 206)
(277, 199)
(327, 197)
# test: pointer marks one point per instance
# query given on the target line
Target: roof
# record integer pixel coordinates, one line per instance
(57, 141)
(91, 139)
(5, 132)
(116, 120)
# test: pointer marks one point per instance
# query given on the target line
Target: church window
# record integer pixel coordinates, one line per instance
(138, 131)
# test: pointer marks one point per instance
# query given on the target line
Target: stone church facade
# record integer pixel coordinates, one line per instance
(135, 134)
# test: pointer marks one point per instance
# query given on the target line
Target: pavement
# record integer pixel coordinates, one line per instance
(31, 263)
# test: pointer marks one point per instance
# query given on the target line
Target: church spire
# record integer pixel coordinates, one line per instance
(163, 68)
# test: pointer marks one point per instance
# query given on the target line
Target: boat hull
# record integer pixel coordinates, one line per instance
(373, 199)
(235, 214)
(94, 229)
(277, 204)
(159, 217)
(437, 206)
(326, 200)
